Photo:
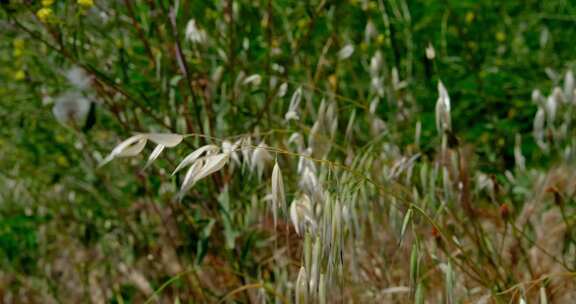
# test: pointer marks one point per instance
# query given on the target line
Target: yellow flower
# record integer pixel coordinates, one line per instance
(372, 6)
(18, 47)
(59, 138)
(18, 43)
(19, 75)
(469, 17)
(46, 3)
(380, 39)
(333, 80)
(500, 36)
(44, 14)
(86, 3)
(62, 161)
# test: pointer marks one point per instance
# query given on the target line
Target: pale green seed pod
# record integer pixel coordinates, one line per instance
(419, 296)
(316, 252)
(322, 289)
(405, 223)
(449, 282)
(307, 252)
(414, 265)
(336, 225)
(301, 293)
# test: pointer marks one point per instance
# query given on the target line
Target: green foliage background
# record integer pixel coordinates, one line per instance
(489, 54)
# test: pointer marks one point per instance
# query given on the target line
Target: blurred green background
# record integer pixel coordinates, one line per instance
(490, 55)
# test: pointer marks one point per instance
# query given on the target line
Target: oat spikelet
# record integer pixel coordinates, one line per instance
(278, 196)
(443, 119)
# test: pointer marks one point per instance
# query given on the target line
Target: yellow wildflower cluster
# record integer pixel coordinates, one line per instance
(470, 17)
(19, 75)
(18, 44)
(501, 36)
(86, 4)
(45, 14)
(18, 53)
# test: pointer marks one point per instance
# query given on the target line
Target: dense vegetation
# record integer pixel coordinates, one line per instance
(323, 151)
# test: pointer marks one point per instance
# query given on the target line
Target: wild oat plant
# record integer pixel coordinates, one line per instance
(239, 151)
